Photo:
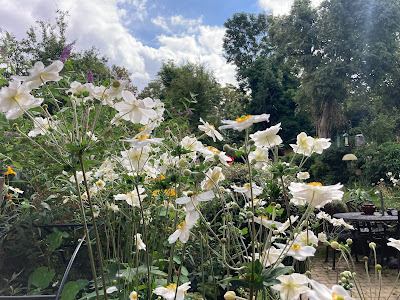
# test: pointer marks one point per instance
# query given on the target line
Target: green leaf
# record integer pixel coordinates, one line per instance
(42, 277)
(54, 240)
(82, 283)
(184, 271)
(244, 231)
(269, 276)
(177, 259)
(71, 289)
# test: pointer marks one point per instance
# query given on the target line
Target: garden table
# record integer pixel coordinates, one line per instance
(373, 227)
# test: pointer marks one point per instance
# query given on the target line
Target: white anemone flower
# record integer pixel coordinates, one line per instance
(132, 198)
(291, 286)
(135, 110)
(303, 175)
(256, 202)
(213, 154)
(296, 250)
(42, 126)
(260, 155)
(139, 242)
(16, 98)
(116, 88)
(40, 74)
(322, 237)
(135, 158)
(315, 193)
(305, 238)
(394, 243)
(304, 144)
(321, 292)
(191, 144)
(102, 93)
(78, 89)
(321, 144)
(168, 293)
(267, 137)
(183, 231)
(194, 200)
(268, 257)
(159, 107)
(247, 191)
(141, 140)
(298, 201)
(244, 122)
(210, 130)
(133, 296)
(213, 176)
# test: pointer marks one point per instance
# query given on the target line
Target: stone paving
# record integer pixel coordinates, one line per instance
(322, 272)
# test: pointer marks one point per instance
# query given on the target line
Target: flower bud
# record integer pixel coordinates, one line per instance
(116, 84)
(253, 161)
(278, 206)
(343, 280)
(216, 157)
(378, 267)
(167, 132)
(335, 245)
(15, 125)
(187, 172)
(183, 163)
(190, 194)
(275, 232)
(365, 258)
(251, 142)
(372, 245)
(230, 295)
(273, 203)
(45, 106)
(223, 240)
(226, 148)
(249, 215)
(349, 242)
(308, 274)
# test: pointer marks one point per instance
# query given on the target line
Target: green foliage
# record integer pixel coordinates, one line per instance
(42, 277)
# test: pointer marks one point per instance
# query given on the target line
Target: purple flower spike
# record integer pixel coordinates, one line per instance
(186, 112)
(89, 76)
(66, 52)
(2, 51)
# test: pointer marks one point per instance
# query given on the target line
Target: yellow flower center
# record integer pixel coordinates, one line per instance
(134, 296)
(143, 128)
(243, 118)
(264, 217)
(315, 183)
(142, 137)
(213, 149)
(246, 185)
(337, 297)
(172, 286)
(180, 226)
(295, 247)
(212, 126)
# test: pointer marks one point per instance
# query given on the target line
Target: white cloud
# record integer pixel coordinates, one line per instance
(103, 24)
(280, 7)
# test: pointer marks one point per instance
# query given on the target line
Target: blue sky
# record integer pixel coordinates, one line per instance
(141, 34)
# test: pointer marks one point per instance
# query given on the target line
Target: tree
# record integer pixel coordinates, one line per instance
(190, 86)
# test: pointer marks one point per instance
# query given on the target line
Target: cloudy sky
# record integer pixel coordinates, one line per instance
(141, 34)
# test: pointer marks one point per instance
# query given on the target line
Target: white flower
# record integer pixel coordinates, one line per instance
(389, 174)
(139, 243)
(132, 198)
(168, 293)
(256, 202)
(16, 98)
(195, 199)
(291, 286)
(267, 137)
(394, 243)
(321, 292)
(191, 144)
(111, 289)
(337, 222)
(315, 194)
(213, 176)
(100, 184)
(116, 88)
(79, 176)
(15, 190)
(133, 296)
(244, 122)
(305, 238)
(323, 215)
(304, 144)
(247, 191)
(303, 175)
(78, 91)
(210, 130)
(183, 230)
(40, 74)
(141, 140)
(298, 201)
(268, 257)
(210, 154)
(102, 93)
(42, 126)
(322, 237)
(159, 107)
(320, 144)
(135, 158)
(260, 155)
(297, 251)
(135, 110)
(113, 207)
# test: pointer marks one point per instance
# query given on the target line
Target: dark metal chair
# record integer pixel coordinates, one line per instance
(62, 284)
